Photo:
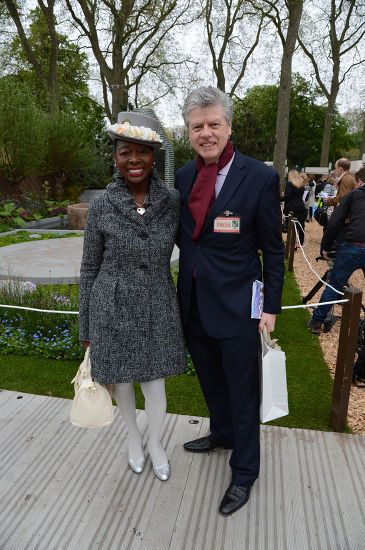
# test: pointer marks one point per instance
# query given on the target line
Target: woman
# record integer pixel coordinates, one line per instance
(310, 199)
(293, 198)
(329, 191)
(128, 308)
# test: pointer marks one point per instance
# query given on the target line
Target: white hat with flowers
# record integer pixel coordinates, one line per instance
(136, 128)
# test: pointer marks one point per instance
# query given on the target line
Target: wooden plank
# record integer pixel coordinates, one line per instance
(345, 358)
(66, 488)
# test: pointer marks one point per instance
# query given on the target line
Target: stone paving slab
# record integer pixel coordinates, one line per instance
(65, 488)
(52, 261)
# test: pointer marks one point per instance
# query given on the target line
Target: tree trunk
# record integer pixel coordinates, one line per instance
(119, 100)
(362, 144)
(295, 8)
(326, 140)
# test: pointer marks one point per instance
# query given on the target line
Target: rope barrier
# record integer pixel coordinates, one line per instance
(284, 307)
(308, 262)
(315, 305)
(41, 310)
(76, 312)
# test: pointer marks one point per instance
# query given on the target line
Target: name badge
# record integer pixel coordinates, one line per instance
(227, 224)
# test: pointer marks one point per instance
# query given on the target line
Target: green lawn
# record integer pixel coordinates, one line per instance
(309, 383)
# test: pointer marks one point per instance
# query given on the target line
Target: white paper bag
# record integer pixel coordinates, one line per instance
(274, 393)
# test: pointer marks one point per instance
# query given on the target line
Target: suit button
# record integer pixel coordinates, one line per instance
(198, 245)
(143, 236)
(144, 267)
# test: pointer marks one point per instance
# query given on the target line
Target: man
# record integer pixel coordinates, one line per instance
(230, 209)
(360, 177)
(351, 255)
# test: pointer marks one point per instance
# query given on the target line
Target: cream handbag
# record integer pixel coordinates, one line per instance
(92, 405)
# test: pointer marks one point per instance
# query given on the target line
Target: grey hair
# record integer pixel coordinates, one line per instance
(204, 97)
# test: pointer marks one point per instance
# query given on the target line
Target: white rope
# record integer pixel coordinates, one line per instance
(308, 262)
(41, 310)
(315, 305)
(76, 312)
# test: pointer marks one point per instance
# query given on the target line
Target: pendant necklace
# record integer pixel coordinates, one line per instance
(140, 207)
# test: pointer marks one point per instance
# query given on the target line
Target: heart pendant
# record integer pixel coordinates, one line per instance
(141, 211)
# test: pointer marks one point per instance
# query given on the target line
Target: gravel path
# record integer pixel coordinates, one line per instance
(329, 341)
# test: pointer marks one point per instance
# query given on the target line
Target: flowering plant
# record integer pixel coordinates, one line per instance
(139, 132)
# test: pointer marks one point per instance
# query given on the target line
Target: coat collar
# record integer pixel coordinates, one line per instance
(120, 198)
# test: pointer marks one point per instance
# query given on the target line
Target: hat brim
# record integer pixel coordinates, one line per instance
(153, 144)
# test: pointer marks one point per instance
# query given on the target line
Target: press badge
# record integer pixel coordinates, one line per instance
(227, 223)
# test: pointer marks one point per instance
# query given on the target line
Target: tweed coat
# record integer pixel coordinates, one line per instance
(128, 307)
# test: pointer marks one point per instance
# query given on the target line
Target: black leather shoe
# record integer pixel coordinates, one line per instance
(234, 498)
(202, 445)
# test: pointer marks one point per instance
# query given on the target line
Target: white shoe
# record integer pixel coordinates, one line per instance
(138, 464)
(162, 472)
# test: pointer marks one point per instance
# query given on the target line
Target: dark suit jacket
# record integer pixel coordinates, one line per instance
(227, 264)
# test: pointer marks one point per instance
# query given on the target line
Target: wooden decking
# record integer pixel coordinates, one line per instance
(66, 488)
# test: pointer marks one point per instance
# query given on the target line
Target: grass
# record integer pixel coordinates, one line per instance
(53, 378)
(309, 382)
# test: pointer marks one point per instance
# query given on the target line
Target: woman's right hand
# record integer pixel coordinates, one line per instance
(85, 344)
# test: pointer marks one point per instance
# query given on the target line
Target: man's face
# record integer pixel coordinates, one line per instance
(209, 132)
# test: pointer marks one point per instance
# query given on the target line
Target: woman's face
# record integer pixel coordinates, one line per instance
(134, 161)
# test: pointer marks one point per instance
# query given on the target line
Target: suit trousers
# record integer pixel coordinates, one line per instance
(228, 374)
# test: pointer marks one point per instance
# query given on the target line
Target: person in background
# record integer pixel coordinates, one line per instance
(346, 181)
(310, 199)
(351, 255)
(329, 191)
(360, 177)
(293, 198)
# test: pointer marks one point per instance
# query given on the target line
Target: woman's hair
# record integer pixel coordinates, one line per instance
(295, 179)
(304, 177)
(205, 97)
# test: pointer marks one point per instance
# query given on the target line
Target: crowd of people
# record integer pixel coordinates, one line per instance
(342, 197)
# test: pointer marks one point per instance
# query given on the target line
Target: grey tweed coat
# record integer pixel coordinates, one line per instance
(127, 300)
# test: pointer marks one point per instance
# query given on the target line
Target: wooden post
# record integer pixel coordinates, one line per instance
(345, 358)
(288, 236)
(293, 239)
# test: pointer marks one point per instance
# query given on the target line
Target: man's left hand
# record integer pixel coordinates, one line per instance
(267, 319)
(325, 255)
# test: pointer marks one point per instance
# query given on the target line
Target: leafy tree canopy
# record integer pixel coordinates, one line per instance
(72, 64)
(254, 122)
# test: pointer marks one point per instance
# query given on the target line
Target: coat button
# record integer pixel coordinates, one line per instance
(143, 236)
(144, 267)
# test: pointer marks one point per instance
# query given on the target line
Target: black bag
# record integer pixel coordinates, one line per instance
(359, 366)
(320, 213)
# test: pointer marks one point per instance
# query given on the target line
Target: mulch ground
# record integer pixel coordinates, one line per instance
(329, 341)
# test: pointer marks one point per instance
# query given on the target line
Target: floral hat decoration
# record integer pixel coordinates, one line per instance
(136, 128)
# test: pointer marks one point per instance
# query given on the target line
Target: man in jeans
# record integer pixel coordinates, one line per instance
(351, 255)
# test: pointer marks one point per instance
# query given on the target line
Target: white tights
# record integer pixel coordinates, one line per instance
(155, 406)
